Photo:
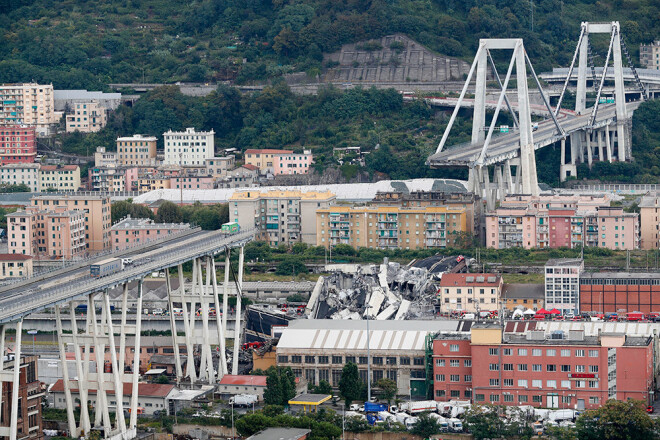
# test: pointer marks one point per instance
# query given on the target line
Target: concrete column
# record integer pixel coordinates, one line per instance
(562, 161)
(190, 366)
(599, 139)
(99, 349)
(237, 330)
(83, 372)
(608, 144)
(65, 375)
(13, 424)
(222, 358)
(581, 92)
(619, 94)
(120, 423)
(225, 293)
(589, 152)
(122, 329)
(479, 119)
(175, 337)
(205, 370)
(136, 360)
(527, 154)
(2, 358)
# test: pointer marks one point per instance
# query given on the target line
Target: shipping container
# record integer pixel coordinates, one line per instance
(105, 267)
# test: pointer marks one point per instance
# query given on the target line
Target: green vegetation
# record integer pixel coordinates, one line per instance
(123, 208)
(3, 216)
(7, 188)
(280, 386)
(350, 384)
(207, 217)
(484, 422)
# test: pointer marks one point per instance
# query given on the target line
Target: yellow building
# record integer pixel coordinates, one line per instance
(390, 227)
(136, 150)
(528, 296)
(146, 184)
(87, 117)
(15, 266)
(28, 104)
(59, 178)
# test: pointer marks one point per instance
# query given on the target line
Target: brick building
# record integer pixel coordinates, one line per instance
(552, 370)
(610, 292)
(29, 400)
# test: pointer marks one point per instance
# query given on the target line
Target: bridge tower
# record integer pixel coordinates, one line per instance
(524, 180)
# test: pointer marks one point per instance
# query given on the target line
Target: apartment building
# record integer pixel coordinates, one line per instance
(87, 117)
(17, 144)
(529, 296)
(246, 176)
(21, 173)
(103, 158)
(278, 162)
(111, 178)
(30, 394)
(649, 208)
(15, 266)
(219, 166)
(390, 227)
(281, 217)
(97, 215)
(546, 222)
(562, 284)
(148, 183)
(549, 370)
(469, 292)
(649, 55)
(136, 150)
(192, 182)
(59, 178)
(57, 233)
(130, 232)
(188, 147)
(28, 104)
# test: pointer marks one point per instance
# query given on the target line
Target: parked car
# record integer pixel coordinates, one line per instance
(649, 409)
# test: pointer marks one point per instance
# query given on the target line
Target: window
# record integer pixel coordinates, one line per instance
(377, 360)
(537, 383)
(522, 367)
(336, 359)
(323, 359)
(507, 352)
(593, 353)
(350, 359)
(593, 384)
(362, 360)
(418, 361)
(565, 368)
(468, 378)
(493, 351)
(537, 367)
(439, 362)
(522, 398)
(507, 382)
(455, 378)
(565, 352)
(494, 367)
(593, 368)
(522, 352)
(453, 348)
(537, 399)
(440, 377)
(467, 363)
(494, 397)
(537, 352)
(296, 359)
(404, 360)
(579, 384)
(455, 393)
(454, 363)
(522, 383)
(507, 367)
(566, 384)
(551, 352)
(439, 393)
(579, 369)
(508, 397)
(551, 367)
(551, 383)
(494, 382)
(310, 359)
(579, 353)
(479, 397)
(593, 400)
(282, 359)
(391, 360)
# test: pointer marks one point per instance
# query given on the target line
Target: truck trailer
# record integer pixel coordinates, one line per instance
(105, 267)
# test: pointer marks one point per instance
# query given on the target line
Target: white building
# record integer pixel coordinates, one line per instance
(17, 173)
(86, 117)
(103, 158)
(188, 148)
(562, 284)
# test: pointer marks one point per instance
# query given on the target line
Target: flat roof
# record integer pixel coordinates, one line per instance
(564, 262)
(309, 399)
(620, 275)
(280, 434)
(243, 379)
(519, 291)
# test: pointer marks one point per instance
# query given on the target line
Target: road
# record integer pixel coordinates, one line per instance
(61, 286)
(506, 146)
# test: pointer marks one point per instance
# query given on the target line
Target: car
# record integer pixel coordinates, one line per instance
(127, 261)
(649, 409)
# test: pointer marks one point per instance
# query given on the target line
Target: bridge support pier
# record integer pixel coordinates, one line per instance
(99, 333)
(11, 376)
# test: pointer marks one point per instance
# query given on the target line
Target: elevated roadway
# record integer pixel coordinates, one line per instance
(59, 287)
(506, 145)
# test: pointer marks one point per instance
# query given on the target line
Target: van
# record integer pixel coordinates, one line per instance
(177, 312)
(468, 316)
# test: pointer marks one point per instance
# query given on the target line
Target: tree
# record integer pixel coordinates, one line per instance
(124, 208)
(350, 384)
(617, 420)
(323, 387)
(168, 212)
(250, 424)
(291, 265)
(425, 426)
(484, 422)
(388, 389)
(280, 386)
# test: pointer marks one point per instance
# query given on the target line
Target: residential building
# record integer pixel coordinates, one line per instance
(277, 162)
(649, 55)
(318, 349)
(417, 199)
(153, 182)
(561, 221)
(281, 217)
(110, 178)
(245, 176)
(97, 215)
(28, 104)
(136, 150)
(59, 178)
(563, 370)
(219, 166)
(103, 158)
(56, 233)
(65, 100)
(192, 182)
(469, 292)
(649, 208)
(15, 266)
(21, 173)
(17, 144)
(529, 296)
(30, 395)
(189, 147)
(130, 232)
(230, 385)
(87, 117)
(612, 292)
(390, 227)
(562, 284)
(151, 396)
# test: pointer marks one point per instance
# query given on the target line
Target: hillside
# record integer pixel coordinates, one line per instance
(87, 44)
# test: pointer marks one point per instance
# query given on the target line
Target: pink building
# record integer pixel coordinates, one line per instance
(192, 182)
(17, 144)
(561, 221)
(133, 231)
(292, 163)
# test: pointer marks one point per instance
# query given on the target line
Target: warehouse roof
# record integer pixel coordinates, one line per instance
(518, 291)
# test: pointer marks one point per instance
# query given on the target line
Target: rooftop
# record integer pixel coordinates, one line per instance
(243, 379)
(620, 275)
(280, 434)
(137, 137)
(519, 291)
(256, 194)
(267, 151)
(59, 167)
(470, 279)
(144, 389)
(145, 223)
(15, 257)
(309, 399)
(564, 262)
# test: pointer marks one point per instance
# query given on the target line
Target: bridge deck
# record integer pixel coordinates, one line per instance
(506, 146)
(22, 299)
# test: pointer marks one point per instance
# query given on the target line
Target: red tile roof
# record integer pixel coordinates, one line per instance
(144, 389)
(469, 279)
(243, 379)
(15, 257)
(249, 166)
(59, 167)
(268, 151)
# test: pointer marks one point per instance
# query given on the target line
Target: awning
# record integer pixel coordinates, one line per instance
(543, 312)
(554, 312)
(529, 312)
(156, 371)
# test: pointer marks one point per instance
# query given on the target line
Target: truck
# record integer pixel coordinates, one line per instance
(105, 267)
(455, 425)
(243, 400)
(417, 407)
(374, 407)
(441, 421)
(230, 228)
(634, 316)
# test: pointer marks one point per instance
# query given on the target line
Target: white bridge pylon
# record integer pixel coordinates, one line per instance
(504, 180)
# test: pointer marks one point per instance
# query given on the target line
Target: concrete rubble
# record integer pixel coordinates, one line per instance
(381, 292)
